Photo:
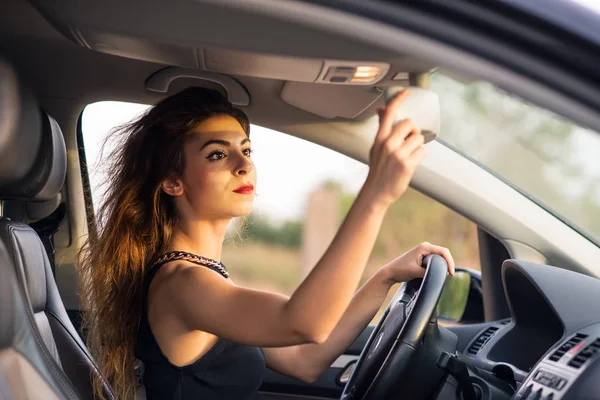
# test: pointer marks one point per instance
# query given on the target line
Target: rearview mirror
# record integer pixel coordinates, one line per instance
(422, 106)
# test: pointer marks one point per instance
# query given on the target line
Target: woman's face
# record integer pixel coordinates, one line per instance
(219, 178)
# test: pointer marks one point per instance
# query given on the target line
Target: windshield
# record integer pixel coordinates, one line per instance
(549, 159)
(592, 5)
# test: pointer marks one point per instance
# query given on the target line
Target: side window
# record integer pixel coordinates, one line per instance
(302, 197)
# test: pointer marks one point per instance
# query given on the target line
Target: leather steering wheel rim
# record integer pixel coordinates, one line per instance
(397, 338)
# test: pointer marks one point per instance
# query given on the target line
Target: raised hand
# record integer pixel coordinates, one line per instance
(397, 150)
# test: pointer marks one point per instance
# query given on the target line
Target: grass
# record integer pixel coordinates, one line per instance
(265, 267)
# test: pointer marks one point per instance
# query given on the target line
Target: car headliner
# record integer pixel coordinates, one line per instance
(59, 68)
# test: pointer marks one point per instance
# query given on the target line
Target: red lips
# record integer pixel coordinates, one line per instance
(244, 189)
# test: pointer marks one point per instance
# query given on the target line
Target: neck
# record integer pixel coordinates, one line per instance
(204, 238)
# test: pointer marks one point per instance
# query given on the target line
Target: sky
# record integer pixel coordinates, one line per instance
(288, 168)
(591, 4)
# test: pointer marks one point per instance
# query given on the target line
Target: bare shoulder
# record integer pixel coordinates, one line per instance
(181, 277)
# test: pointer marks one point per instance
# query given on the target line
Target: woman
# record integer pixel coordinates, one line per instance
(151, 273)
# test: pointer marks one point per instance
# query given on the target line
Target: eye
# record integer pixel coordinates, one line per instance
(247, 152)
(216, 155)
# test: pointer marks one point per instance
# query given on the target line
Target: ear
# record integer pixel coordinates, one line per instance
(172, 187)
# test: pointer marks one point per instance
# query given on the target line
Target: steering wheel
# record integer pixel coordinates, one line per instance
(394, 344)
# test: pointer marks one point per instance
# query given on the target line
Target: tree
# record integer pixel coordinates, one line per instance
(260, 229)
(416, 218)
(534, 150)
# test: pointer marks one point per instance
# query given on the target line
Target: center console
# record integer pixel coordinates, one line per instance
(573, 360)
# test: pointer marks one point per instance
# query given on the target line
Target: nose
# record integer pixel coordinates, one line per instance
(244, 165)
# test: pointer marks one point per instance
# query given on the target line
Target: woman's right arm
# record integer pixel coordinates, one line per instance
(205, 301)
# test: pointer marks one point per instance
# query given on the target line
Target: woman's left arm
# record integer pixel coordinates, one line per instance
(308, 361)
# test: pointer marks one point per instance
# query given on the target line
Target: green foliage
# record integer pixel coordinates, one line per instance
(540, 153)
(259, 229)
(416, 218)
(453, 299)
(263, 266)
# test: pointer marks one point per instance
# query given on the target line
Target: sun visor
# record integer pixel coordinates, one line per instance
(330, 101)
(136, 48)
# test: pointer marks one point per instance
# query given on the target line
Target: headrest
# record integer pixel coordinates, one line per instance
(20, 127)
(33, 158)
(30, 212)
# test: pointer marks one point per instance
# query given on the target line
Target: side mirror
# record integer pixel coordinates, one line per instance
(461, 300)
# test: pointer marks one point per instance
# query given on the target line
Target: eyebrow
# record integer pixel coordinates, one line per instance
(222, 142)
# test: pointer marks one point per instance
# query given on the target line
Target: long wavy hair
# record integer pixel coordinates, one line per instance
(134, 225)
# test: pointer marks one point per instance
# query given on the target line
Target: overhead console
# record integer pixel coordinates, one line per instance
(210, 43)
(224, 37)
(175, 33)
(286, 68)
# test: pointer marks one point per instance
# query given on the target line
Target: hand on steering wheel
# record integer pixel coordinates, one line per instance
(385, 362)
(410, 264)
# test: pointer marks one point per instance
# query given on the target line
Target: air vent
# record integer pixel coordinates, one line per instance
(588, 352)
(568, 345)
(482, 340)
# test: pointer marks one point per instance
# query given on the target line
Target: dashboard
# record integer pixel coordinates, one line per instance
(548, 349)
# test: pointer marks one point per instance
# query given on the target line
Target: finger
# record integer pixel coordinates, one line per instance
(445, 253)
(401, 131)
(416, 156)
(412, 142)
(419, 272)
(423, 249)
(389, 115)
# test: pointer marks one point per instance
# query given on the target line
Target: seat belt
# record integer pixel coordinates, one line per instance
(46, 228)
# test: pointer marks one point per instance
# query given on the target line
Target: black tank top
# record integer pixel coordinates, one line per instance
(228, 371)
